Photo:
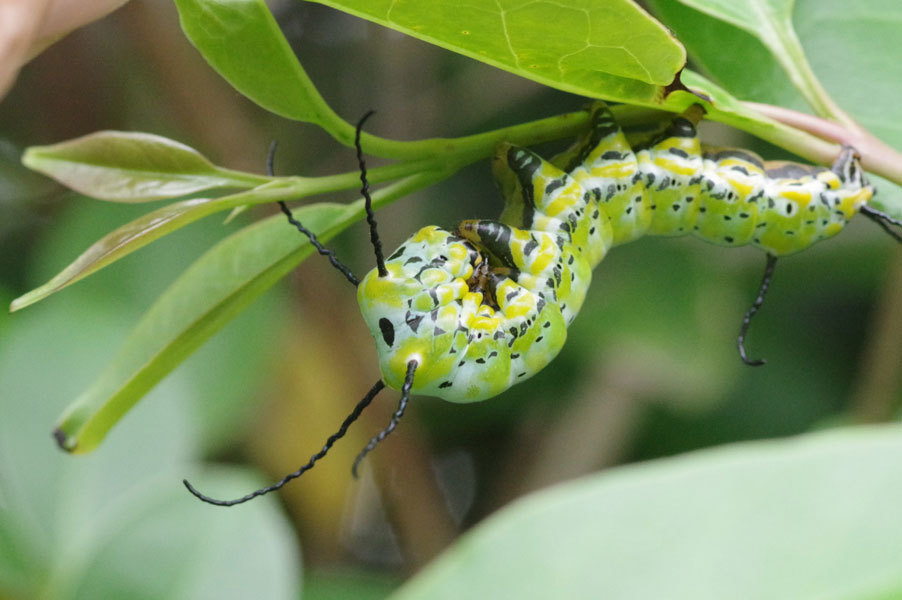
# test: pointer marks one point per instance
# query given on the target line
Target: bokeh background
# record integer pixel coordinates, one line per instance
(650, 368)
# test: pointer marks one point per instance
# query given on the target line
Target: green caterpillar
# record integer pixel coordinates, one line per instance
(487, 306)
(463, 315)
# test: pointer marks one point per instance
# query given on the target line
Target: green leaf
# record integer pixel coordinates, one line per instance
(765, 19)
(219, 285)
(733, 56)
(855, 50)
(771, 22)
(241, 40)
(844, 41)
(207, 295)
(813, 517)
(140, 232)
(602, 49)
(854, 54)
(132, 167)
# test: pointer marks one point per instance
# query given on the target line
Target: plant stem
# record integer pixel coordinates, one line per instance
(876, 156)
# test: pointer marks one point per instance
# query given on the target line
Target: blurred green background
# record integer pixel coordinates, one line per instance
(650, 368)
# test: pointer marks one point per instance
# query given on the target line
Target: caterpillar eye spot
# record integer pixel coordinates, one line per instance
(388, 331)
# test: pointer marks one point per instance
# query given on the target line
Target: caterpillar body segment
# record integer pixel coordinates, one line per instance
(487, 306)
(725, 196)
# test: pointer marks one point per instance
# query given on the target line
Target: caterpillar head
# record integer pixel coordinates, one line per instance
(848, 168)
(410, 311)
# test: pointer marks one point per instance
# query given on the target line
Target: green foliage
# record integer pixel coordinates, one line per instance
(758, 520)
(761, 507)
(270, 75)
(117, 524)
(218, 286)
(612, 49)
(132, 167)
(138, 167)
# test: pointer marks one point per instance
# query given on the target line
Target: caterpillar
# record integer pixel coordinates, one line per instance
(463, 315)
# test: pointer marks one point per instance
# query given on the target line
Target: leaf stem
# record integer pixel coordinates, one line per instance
(876, 156)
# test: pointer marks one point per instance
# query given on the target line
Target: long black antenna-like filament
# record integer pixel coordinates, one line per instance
(884, 220)
(355, 414)
(340, 266)
(762, 290)
(368, 202)
(395, 418)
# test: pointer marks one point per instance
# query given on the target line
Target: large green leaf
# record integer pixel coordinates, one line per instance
(241, 40)
(270, 74)
(730, 54)
(132, 167)
(814, 517)
(601, 48)
(771, 22)
(214, 289)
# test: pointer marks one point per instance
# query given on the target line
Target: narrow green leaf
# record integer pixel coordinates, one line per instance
(607, 49)
(206, 296)
(140, 232)
(144, 230)
(242, 42)
(219, 285)
(813, 517)
(132, 167)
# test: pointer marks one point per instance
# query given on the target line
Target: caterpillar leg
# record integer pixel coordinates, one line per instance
(355, 414)
(747, 320)
(395, 418)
